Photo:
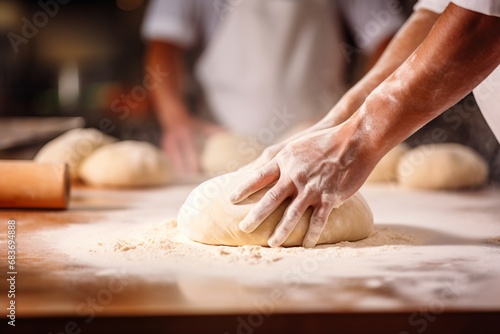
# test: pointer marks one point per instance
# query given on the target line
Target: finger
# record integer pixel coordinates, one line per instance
(290, 219)
(173, 151)
(267, 204)
(262, 177)
(319, 218)
(266, 156)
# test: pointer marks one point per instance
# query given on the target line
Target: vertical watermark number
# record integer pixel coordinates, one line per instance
(11, 272)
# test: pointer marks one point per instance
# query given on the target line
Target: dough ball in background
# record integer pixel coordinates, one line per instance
(208, 217)
(386, 169)
(442, 166)
(225, 152)
(126, 164)
(72, 147)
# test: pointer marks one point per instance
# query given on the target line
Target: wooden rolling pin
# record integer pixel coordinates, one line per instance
(26, 184)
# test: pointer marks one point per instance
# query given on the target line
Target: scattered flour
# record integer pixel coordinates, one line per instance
(159, 240)
(158, 248)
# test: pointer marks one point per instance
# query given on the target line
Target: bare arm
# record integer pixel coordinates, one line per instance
(168, 98)
(324, 168)
(462, 49)
(178, 126)
(408, 38)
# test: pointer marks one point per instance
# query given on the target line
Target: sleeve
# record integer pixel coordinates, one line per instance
(170, 20)
(436, 6)
(372, 21)
(487, 7)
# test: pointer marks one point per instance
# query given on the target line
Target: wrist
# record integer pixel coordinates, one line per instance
(345, 107)
(367, 134)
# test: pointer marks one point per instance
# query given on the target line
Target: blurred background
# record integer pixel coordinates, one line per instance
(77, 64)
(82, 58)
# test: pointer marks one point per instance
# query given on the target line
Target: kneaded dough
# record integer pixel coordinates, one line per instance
(126, 164)
(442, 166)
(72, 147)
(208, 217)
(226, 152)
(386, 169)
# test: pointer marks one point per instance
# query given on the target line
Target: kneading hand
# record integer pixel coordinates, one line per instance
(321, 169)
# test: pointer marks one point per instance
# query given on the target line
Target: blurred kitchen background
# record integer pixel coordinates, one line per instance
(83, 59)
(87, 55)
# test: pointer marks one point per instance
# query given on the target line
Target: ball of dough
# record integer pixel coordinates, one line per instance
(208, 217)
(386, 169)
(72, 147)
(225, 152)
(126, 164)
(442, 166)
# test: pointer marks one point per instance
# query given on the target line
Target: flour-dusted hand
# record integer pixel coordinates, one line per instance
(336, 116)
(322, 169)
(319, 170)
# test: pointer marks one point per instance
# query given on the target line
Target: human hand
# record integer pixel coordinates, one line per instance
(179, 143)
(321, 169)
(271, 151)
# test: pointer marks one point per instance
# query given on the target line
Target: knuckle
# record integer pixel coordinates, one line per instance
(293, 213)
(268, 153)
(284, 230)
(261, 173)
(319, 221)
(273, 195)
(301, 178)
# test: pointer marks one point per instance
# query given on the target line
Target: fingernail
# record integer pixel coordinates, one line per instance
(233, 198)
(272, 242)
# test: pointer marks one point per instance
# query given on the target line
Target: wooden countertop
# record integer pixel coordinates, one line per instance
(454, 269)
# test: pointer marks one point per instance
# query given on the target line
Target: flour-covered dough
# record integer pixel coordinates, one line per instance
(72, 147)
(386, 169)
(225, 152)
(442, 166)
(126, 164)
(208, 217)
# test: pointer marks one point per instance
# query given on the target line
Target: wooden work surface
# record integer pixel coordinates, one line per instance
(462, 232)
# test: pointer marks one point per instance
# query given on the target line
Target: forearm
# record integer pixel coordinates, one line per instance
(168, 96)
(402, 45)
(461, 50)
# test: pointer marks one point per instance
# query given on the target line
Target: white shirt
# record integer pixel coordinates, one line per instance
(184, 22)
(271, 55)
(487, 93)
(193, 22)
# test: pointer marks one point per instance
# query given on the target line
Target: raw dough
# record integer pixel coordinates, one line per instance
(126, 164)
(226, 152)
(442, 166)
(73, 147)
(386, 169)
(208, 217)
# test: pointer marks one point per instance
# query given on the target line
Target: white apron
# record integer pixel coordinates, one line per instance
(273, 60)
